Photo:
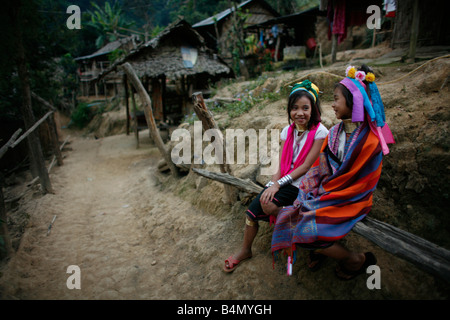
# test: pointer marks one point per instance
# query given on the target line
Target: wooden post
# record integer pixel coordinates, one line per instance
(374, 36)
(145, 98)
(208, 123)
(4, 234)
(52, 127)
(127, 106)
(157, 99)
(333, 48)
(136, 129)
(414, 32)
(54, 138)
(320, 55)
(163, 95)
(277, 48)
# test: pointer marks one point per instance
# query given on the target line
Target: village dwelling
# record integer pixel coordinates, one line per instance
(172, 66)
(427, 22)
(290, 38)
(295, 40)
(90, 66)
(217, 30)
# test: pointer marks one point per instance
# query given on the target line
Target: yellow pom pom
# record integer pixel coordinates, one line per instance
(351, 73)
(370, 77)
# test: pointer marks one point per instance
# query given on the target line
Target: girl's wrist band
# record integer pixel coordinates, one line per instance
(287, 179)
(269, 184)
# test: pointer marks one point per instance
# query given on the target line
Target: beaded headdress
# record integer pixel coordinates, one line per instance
(373, 105)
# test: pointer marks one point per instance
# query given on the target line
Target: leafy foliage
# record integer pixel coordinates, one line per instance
(109, 22)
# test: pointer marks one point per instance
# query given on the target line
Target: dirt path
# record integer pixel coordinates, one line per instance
(129, 239)
(132, 238)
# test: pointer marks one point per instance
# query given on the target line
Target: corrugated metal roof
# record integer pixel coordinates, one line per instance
(218, 17)
(108, 48)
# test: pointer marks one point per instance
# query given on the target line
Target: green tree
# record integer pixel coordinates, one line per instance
(110, 22)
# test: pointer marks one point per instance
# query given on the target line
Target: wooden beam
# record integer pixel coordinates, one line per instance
(420, 252)
(31, 129)
(11, 140)
(243, 184)
(208, 123)
(145, 98)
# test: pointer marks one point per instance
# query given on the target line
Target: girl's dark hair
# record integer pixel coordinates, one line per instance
(347, 95)
(316, 112)
(366, 69)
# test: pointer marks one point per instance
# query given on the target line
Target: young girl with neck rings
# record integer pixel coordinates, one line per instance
(300, 144)
(337, 191)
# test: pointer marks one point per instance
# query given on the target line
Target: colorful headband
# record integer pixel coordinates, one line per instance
(307, 86)
(375, 109)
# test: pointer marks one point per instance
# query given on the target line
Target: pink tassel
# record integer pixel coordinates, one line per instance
(272, 219)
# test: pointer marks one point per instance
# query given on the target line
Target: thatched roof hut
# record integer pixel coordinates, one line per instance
(172, 66)
(90, 66)
(163, 56)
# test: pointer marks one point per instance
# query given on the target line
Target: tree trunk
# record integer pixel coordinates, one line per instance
(34, 144)
(145, 98)
(5, 241)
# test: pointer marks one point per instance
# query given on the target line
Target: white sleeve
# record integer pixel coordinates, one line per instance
(321, 132)
(284, 132)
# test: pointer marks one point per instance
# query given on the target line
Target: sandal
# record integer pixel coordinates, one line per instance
(350, 274)
(232, 264)
(317, 259)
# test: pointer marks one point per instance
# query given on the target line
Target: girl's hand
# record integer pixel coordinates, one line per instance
(269, 193)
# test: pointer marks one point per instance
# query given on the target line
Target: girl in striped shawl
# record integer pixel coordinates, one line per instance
(337, 191)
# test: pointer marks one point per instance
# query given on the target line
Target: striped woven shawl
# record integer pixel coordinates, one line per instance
(333, 195)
